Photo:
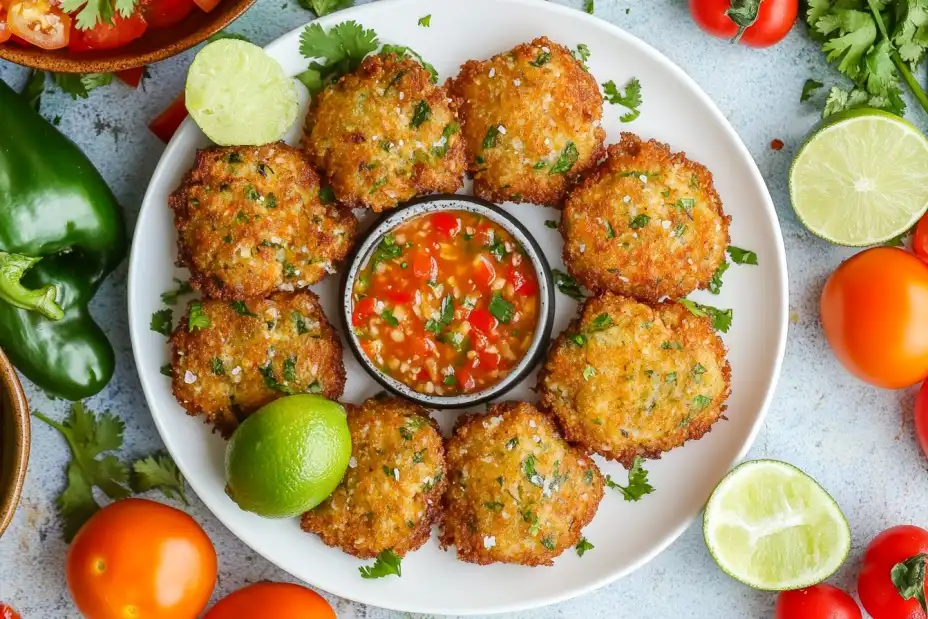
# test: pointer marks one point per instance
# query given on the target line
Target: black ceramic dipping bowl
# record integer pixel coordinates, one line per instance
(433, 204)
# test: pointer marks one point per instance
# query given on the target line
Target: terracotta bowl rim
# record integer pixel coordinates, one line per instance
(124, 58)
(12, 481)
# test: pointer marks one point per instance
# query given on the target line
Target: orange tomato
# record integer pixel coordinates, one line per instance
(139, 558)
(272, 599)
(39, 23)
(874, 310)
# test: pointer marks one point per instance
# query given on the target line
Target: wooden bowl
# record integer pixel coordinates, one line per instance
(14, 440)
(157, 44)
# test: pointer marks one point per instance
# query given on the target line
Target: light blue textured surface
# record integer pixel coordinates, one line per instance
(857, 441)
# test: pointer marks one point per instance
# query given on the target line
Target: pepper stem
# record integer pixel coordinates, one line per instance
(12, 269)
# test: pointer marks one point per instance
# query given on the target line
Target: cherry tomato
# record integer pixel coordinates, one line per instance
(131, 77)
(39, 23)
(875, 588)
(165, 13)
(207, 5)
(139, 558)
(272, 599)
(873, 310)
(363, 309)
(7, 612)
(921, 417)
(121, 32)
(817, 602)
(424, 266)
(774, 20)
(483, 320)
(165, 124)
(5, 34)
(920, 239)
(446, 223)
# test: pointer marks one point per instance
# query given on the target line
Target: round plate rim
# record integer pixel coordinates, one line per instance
(781, 325)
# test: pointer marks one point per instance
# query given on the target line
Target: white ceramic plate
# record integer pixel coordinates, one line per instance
(626, 535)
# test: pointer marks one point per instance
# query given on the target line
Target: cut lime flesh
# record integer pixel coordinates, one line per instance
(772, 527)
(861, 178)
(238, 95)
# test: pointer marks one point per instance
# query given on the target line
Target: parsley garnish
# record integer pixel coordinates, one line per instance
(390, 319)
(550, 223)
(583, 546)
(567, 285)
(167, 370)
(449, 130)
(700, 402)
(715, 284)
(542, 59)
(697, 371)
(388, 563)
(498, 249)
(324, 7)
(548, 542)
(582, 54)
(566, 160)
(450, 380)
(501, 309)
(170, 297)
(494, 506)
(326, 195)
(241, 309)
(161, 321)
(489, 141)
(600, 323)
(198, 319)
(446, 315)
(631, 99)
(271, 381)
(589, 372)
(425, 21)
(686, 205)
(721, 319)
(638, 485)
(741, 256)
(402, 50)
(337, 52)
(808, 89)
(218, 367)
(528, 469)
(387, 249)
(79, 85)
(639, 221)
(589, 7)
(158, 472)
(290, 369)
(421, 114)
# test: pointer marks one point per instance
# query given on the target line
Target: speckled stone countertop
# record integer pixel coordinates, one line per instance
(857, 441)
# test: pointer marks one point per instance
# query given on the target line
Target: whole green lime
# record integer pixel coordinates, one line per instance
(288, 457)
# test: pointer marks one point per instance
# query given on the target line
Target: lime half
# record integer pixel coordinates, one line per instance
(289, 456)
(773, 527)
(239, 95)
(861, 178)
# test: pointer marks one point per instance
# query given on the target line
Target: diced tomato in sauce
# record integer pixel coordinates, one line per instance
(7, 612)
(447, 304)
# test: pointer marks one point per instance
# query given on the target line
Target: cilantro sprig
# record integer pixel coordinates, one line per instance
(89, 13)
(638, 485)
(630, 99)
(159, 472)
(721, 319)
(336, 52)
(388, 563)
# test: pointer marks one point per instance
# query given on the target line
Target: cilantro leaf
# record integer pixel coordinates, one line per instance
(324, 7)
(721, 319)
(567, 285)
(638, 485)
(808, 89)
(388, 563)
(583, 547)
(501, 309)
(79, 85)
(565, 160)
(159, 472)
(402, 50)
(582, 54)
(170, 297)
(89, 436)
(425, 21)
(198, 319)
(336, 52)
(161, 321)
(93, 12)
(741, 256)
(589, 6)
(715, 284)
(631, 98)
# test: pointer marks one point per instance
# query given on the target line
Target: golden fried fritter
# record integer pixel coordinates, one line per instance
(385, 134)
(531, 120)
(250, 221)
(645, 222)
(628, 379)
(517, 492)
(232, 358)
(391, 494)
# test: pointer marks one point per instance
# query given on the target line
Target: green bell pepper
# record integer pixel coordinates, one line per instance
(61, 233)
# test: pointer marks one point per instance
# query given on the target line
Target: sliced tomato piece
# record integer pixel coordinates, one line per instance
(363, 310)
(121, 32)
(207, 5)
(165, 124)
(484, 272)
(425, 267)
(165, 13)
(446, 223)
(131, 77)
(483, 320)
(39, 23)
(5, 32)
(522, 283)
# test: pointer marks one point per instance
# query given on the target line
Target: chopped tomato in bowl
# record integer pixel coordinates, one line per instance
(448, 301)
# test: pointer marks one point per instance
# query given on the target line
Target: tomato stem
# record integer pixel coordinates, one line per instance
(909, 579)
(743, 13)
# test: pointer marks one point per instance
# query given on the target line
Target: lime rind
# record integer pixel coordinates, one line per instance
(861, 178)
(772, 527)
(238, 95)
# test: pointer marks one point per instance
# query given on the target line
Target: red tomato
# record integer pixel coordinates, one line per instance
(873, 311)
(165, 125)
(7, 612)
(39, 23)
(483, 320)
(131, 77)
(465, 380)
(523, 284)
(400, 296)
(272, 599)
(165, 13)
(921, 417)
(121, 32)
(818, 602)
(424, 266)
(363, 309)
(207, 5)
(446, 223)
(876, 590)
(5, 35)
(774, 20)
(920, 239)
(139, 558)
(485, 272)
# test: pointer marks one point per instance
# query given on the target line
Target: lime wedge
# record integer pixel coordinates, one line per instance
(772, 527)
(239, 95)
(861, 178)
